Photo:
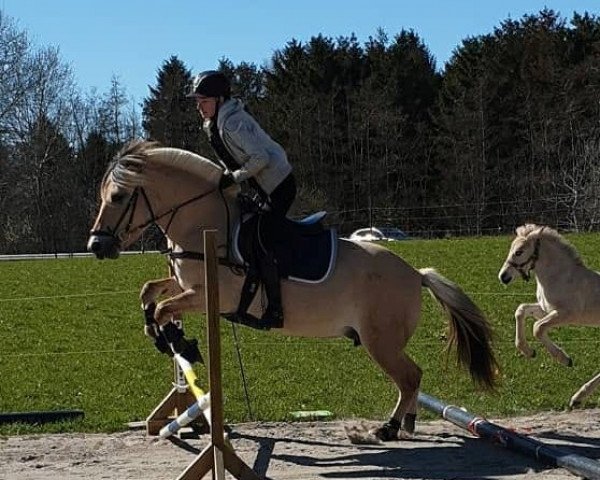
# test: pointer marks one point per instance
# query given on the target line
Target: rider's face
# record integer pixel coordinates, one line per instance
(207, 106)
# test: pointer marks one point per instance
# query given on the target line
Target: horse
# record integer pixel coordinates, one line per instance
(567, 292)
(371, 292)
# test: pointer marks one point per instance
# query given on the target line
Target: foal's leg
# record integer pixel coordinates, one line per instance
(540, 331)
(585, 391)
(521, 313)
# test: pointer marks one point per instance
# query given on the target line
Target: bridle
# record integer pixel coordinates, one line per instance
(532, 260)
(129, 213)
(131, 207)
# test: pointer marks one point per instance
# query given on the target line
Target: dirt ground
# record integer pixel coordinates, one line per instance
(316, 450)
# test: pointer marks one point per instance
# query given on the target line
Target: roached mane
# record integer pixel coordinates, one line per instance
(127, 169)
(552, 235)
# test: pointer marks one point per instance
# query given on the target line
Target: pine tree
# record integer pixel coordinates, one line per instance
(168, 116)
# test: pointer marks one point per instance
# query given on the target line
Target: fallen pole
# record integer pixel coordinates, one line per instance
(549, 455)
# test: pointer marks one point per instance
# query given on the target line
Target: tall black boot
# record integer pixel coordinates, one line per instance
(273, 316)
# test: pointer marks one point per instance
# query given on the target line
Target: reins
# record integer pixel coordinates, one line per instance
(190, 255)
(131, 207)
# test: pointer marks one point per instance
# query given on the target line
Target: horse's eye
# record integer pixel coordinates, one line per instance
(117, 197)
(518, 253)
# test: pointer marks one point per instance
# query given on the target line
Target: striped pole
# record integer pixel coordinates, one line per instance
(480, 427)
(201, 406)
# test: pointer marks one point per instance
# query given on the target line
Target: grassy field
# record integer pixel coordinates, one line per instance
(71, 338)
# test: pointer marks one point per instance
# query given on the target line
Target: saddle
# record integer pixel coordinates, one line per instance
(305, 250)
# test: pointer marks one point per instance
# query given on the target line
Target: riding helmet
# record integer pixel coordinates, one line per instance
(210, 83)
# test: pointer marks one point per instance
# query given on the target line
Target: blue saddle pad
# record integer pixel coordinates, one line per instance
(305, 250)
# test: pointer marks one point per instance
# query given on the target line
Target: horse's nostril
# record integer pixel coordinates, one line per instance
(95, 246)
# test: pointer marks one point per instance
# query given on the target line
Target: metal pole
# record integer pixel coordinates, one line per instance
(478, 426)
(243, 373)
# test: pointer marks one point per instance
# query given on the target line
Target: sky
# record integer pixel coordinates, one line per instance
(131, 39)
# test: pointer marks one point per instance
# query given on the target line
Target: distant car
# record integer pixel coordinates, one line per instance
(374, 234)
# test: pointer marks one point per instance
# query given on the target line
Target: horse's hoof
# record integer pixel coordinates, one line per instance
(408, 422)
(529, 354)
(569, 362)
(574, 404)
(386, 433)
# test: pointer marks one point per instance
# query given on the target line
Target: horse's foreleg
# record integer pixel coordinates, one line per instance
(521, 313)
(148, 295)
(174, 307)
(156, 288)
(540, 331)
(584, 392)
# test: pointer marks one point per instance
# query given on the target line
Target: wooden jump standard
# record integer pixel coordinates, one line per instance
(217, 456)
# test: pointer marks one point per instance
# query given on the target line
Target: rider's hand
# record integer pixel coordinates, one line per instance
(226, 181)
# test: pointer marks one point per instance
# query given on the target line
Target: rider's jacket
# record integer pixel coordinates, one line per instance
(257, 155)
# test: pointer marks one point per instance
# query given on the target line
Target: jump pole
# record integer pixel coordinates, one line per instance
(549, 455)
(186, 399)
(200, 406)
(217, 456)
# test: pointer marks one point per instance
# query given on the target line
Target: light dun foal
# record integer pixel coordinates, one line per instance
(567, 292)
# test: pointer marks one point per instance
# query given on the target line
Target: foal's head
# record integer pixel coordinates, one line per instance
(524, 251)
(523, 254)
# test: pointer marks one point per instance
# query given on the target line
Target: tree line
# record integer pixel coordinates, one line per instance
(507, 131)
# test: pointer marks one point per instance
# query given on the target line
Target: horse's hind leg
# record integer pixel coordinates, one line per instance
(406, 374)
(585, 391)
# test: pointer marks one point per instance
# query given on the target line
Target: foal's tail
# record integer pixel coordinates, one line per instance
(469, 330)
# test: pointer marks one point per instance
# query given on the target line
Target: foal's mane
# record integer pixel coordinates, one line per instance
(128, 166)
(551, 235)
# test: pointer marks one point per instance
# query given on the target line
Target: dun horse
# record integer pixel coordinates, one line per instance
(371, 292)
(567, 291)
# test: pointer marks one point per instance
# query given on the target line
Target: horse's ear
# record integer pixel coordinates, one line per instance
(524, 230)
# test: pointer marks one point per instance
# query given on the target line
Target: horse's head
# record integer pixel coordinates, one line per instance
(147, 185)
(523, 254)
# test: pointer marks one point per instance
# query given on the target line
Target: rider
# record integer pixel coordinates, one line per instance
(249, 155)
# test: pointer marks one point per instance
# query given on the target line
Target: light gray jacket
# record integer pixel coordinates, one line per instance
(258, 154)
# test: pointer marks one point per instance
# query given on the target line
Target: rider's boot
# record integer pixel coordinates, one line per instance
(273, 316)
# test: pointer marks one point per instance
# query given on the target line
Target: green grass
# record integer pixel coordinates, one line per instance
(71, 338)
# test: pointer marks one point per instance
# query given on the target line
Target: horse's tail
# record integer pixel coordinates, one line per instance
(469, 329)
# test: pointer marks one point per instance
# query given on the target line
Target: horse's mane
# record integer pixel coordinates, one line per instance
(548, 233)
(127, 168)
